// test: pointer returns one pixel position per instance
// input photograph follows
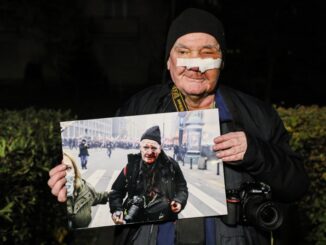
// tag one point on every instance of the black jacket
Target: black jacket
(169, 178)
(83, 150)
(268, 158)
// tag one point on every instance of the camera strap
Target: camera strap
(178, 99)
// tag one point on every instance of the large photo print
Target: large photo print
(147, 168)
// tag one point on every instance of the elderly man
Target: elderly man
(253, 146)
(154, 183)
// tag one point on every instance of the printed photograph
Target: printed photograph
(148, 168)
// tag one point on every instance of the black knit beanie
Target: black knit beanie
(152, 133)
(195, 20)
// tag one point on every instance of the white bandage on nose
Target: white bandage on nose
(202, 64)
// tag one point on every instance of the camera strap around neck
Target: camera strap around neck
(178, 99)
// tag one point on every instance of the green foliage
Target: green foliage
(307, 125)
(29, 146)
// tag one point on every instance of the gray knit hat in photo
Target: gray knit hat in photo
(152, 133)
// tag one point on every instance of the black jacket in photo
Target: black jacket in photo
(138, 180)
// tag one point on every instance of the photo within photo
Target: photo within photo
(147, 168)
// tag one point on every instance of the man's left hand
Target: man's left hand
(231, 146)
(175, 207)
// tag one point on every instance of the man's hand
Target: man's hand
(175, 207)
(231, 146)
(57, 182)
(117, 218)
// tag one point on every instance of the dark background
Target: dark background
(91, 55)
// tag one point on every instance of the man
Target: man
(109, 147)
(154, 183)
(83, 153)
(175, 152)
(253, 146)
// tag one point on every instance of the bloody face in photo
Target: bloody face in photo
(150, 150)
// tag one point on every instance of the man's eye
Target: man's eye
(154, 148)
(146, 147)
(208, 51)
(182, 52)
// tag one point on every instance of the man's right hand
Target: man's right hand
(57, 182)
(117, 218)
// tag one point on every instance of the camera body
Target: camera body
(139, 209)
(251, 204)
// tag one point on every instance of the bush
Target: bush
(29, 146)
(307, 125)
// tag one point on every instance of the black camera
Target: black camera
(136, 205)
(251, 204)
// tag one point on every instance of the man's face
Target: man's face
(191, 82)
(150, 150)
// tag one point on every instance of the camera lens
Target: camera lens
(269, 216)
(134, 211)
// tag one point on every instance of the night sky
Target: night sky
(90, 56)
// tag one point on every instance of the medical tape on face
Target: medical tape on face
(202, 64)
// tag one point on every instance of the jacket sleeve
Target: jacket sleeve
(118, 193)
(270, 159)
(99, 197)
(181, 194)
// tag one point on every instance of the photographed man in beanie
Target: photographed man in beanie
(253, 145)
(153, 182)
